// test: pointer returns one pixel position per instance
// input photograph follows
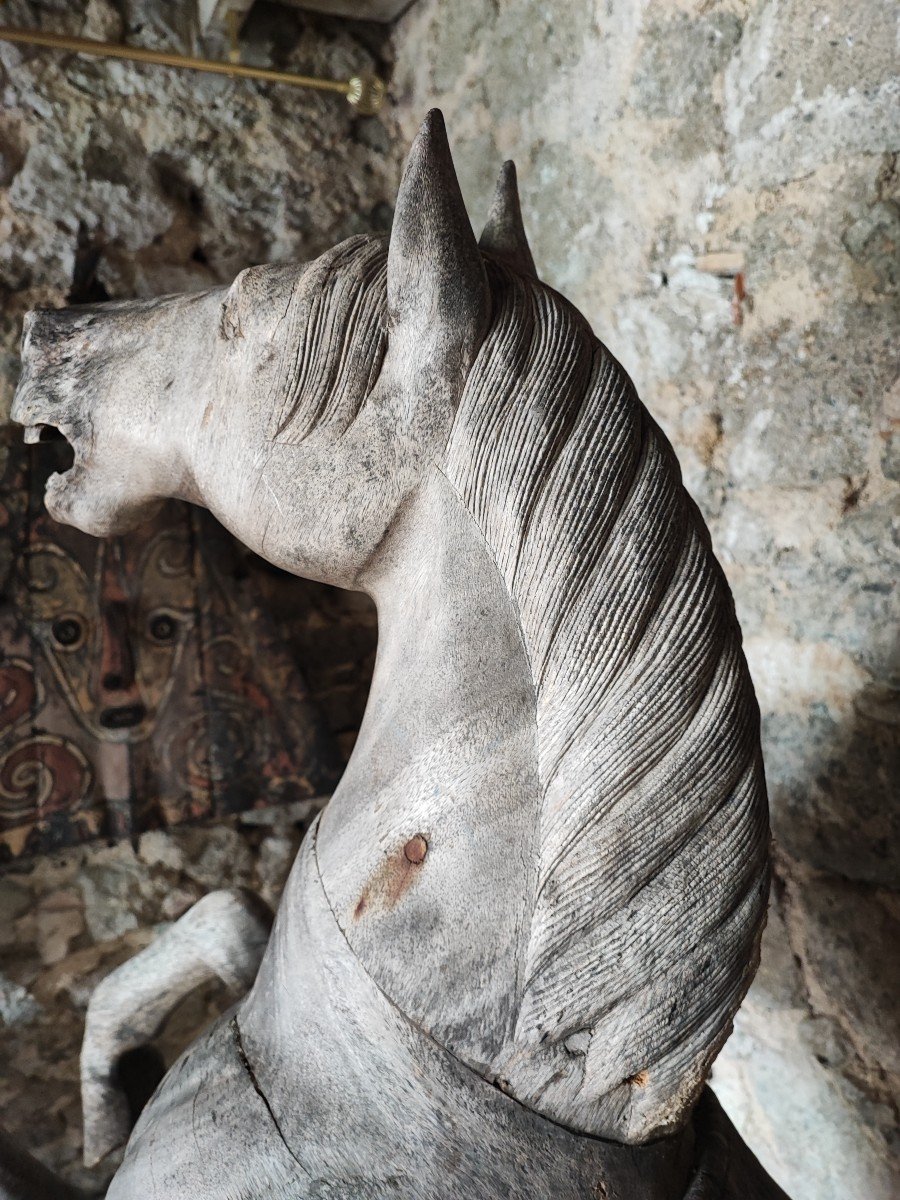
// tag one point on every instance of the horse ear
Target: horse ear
(438, 299)
(504, 233)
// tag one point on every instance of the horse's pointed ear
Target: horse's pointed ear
(438, 299)
(504, 233)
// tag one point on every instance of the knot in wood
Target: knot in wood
(415, 849)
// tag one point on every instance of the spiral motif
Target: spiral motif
(18, 693)
(41, 775)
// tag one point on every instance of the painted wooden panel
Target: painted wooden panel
(142, 683)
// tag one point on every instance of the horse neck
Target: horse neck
(427, 850)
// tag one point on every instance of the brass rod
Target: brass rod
(79, 45)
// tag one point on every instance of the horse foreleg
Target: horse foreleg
(222, 937)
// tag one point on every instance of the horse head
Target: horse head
(300, 404)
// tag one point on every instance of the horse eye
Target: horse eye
(67, 632)
(162, 627)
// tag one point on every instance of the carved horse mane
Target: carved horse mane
(653, 818)
(652, 848)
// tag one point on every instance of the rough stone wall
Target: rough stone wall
(119, 180)
(663, 148)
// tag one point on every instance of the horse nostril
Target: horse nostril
(113, 682)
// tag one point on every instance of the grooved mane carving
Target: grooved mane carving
(516, 938)
(652, 813)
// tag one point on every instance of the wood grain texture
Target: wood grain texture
(515, 941)
(437, 1130)
(652, 876)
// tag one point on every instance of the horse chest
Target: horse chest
(434, 896)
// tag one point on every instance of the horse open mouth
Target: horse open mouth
(48, 433)
(64, 449)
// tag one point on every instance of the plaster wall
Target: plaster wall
(663, 147)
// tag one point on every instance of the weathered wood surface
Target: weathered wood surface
(434, 1129)
(513, 945)
(223, 937)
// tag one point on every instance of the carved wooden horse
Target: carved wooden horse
(514, 942)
